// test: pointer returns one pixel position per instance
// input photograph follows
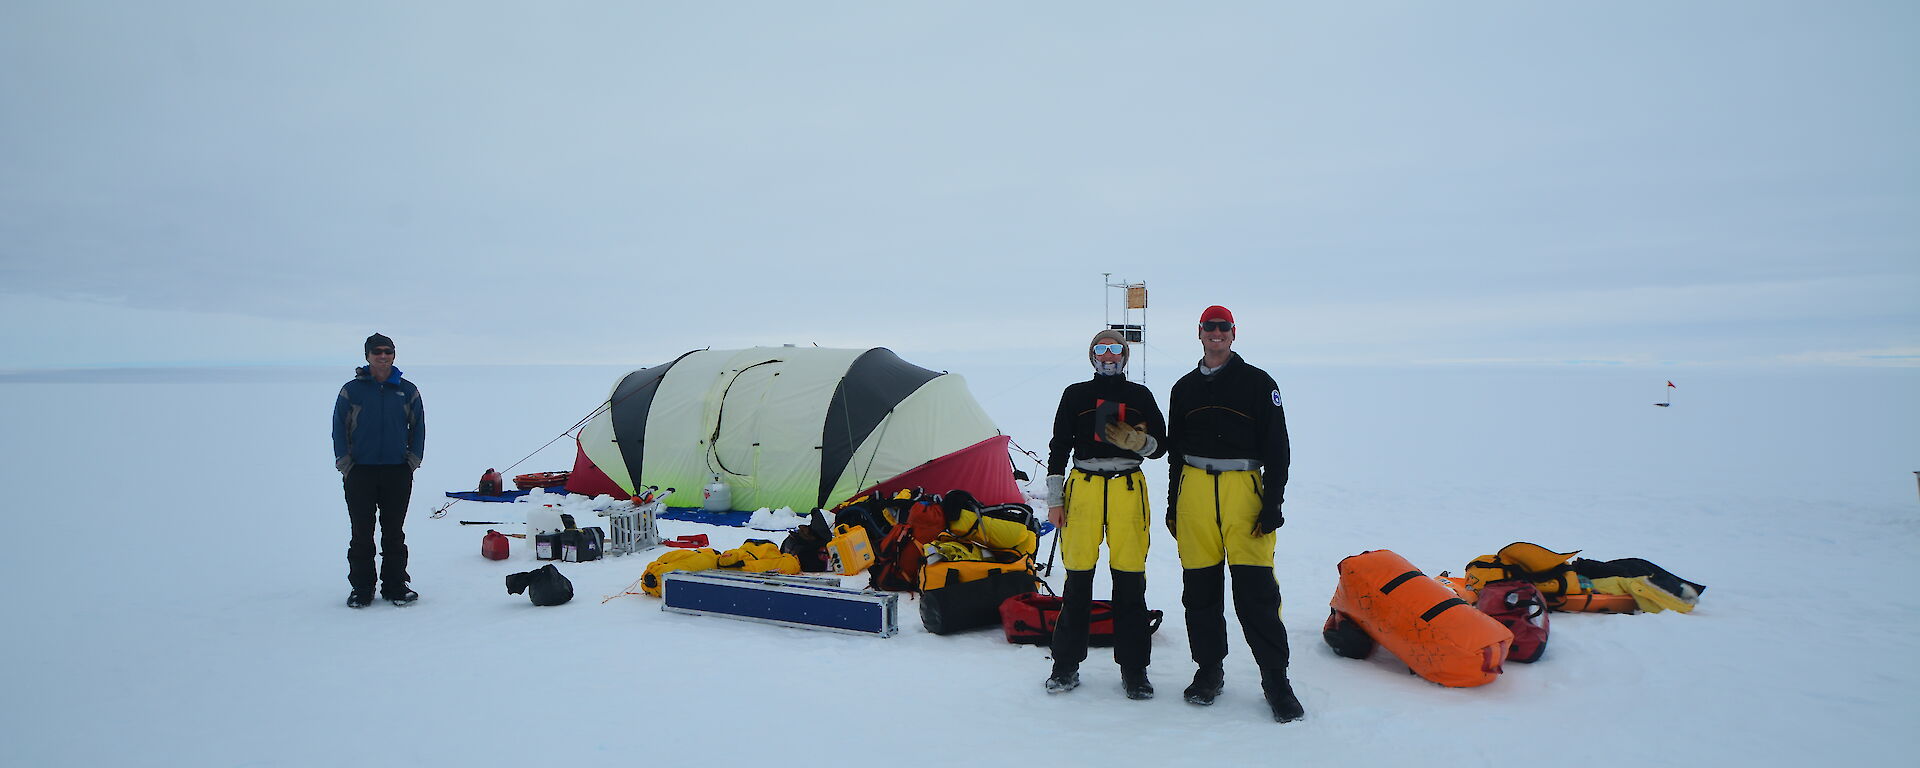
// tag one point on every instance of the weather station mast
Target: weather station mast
(1133, 318)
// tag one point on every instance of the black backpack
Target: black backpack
(808, 543)
(866, 515)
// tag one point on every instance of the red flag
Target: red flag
(1670, 384)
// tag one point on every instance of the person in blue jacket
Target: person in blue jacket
(379, 438)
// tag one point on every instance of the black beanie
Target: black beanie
(378, 340)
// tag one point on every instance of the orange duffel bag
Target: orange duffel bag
(1595, 602)
(1438, 635)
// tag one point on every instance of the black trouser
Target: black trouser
(378, 492)
(1256, 598)
(1132, 646)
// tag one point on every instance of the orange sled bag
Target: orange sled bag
(1438, 635)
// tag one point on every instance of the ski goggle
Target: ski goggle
(1216, 325)
(1103, 349)
(381, 351)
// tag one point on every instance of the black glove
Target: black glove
(1270, 519)
(1172, 529)
(1173, 504)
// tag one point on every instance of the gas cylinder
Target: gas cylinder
(716, 497)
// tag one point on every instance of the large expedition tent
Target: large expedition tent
(794, 427)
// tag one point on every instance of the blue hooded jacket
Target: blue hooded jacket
(378, 422)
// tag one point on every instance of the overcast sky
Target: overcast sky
(1664, 183)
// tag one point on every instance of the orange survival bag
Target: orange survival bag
(1438, 635)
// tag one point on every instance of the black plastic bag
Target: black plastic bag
(544, 585)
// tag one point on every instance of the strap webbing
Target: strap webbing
(1399, 580)
(1441, 607)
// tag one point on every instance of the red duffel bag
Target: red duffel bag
(1029, 619)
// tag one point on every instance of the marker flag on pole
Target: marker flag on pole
(1669, 402)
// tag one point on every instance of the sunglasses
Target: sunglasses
(381, 351)
(1102, 349)
(1216, 325)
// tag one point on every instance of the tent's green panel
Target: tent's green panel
(939, 418)
(765, 424)
(750, 416)
(672, 417)
(676, 447)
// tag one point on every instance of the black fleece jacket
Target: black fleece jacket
(1233, 414)
(1074, 430)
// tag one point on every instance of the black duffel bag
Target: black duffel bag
(956, 596)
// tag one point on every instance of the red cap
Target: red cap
(1216, 312)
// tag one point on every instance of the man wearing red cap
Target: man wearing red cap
(1228, 463)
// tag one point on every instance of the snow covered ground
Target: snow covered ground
(182, 537)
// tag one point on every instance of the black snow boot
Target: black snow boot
(1134, 682)
(1065, 677)
(403, 599)
(1286, 706)
(358, 599)
(1206, 686)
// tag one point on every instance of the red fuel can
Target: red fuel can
(493, 546)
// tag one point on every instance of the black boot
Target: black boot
(1207, 683)
(1065, 677)
(1286, 706)
(1134, 682)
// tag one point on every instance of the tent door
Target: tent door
(739, 420)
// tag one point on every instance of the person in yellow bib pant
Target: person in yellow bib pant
(1105, 426)
(1227, 463)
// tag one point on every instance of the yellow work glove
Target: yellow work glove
(1128, 437)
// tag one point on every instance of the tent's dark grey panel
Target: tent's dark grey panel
(876, 382)
(631, 401)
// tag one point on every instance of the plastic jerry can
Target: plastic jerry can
(543, 518)
(716, 497)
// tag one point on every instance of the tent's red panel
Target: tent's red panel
(981, 469)
(587, 479)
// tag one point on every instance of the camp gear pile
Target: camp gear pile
(1578, 584)
(1457, 631)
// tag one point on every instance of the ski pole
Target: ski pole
(1051, 549)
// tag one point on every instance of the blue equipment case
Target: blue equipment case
(781, 600)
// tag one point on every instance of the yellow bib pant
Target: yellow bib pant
(1214, 526)
(1110, 507)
